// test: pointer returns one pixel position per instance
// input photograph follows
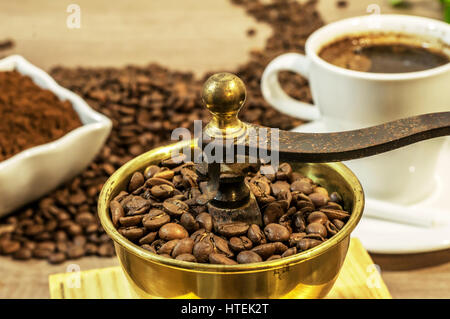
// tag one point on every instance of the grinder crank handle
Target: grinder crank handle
(347, 145)
(224, 94)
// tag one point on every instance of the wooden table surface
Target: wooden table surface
(196, 36)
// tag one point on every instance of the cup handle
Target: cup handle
(275, 95)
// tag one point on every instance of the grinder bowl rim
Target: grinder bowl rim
(118, 176)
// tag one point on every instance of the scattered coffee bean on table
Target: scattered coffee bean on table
(145, 104)
(175, 223)
(30, 115)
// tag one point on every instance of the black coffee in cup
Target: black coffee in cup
(385, 53)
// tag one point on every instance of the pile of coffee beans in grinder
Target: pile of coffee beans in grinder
(164, 211)
(145, 105)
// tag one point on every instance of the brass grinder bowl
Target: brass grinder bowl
(309, 274)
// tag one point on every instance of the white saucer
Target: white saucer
(380, 236)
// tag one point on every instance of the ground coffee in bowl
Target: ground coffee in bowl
(30, 115)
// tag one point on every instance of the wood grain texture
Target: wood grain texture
(358, 279)
(195, 35)
(188, 35)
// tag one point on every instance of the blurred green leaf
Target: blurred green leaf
(446, 7)
(397, 3)
(401, 3)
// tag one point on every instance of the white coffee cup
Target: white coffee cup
(348, 99)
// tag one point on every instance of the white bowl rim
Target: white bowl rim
(100, 120)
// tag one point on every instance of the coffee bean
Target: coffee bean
(74, 229)
(75, 252)
(302, 186)
(189, 223)
(186, 257)
(120, 196)
(133, 220)
(155, 181)
(79, 240)
(132, 233)
(205, 221)
(155, 219)
(84, 219)
(286, 219)
(136, 205)
(40, 253)
(239, 244)
(265, 250)
(57, 258)
(294, 238)
(174, 161)
(202, 250)
(260, 188)
(168, 174)
(269, 172)
(332, 205)
(158, 243)
(23, 254)
(172, 231)
(151, 170)
(280, 187)
(200, 235)
(8, 247)
(233, 229)
(273, 257)
(62, 247)
(91, 249)
(322, 191)
(315, 236)
(316, 228)
(335, 214)
(189, 177)
(220, 259)
(256, 235)
(184, 246)
(289, 252)
(248, 257)
(221, 246)
(149, 248)
(280, 248)
(272, 213)
(33, 230)
(335, 197)
(168, 247)
(331, 228)
(29, 245)
(116, 212)
(299, 223)
(175, 207)
(338, 223)
(276, 232)
(307, 243)
(136, 181)
(284, 171)
(162, 191)
(317, 217)
(318, 199)
(148, 239)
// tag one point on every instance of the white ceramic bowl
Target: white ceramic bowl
(34, 172)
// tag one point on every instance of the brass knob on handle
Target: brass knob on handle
(224, 95)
